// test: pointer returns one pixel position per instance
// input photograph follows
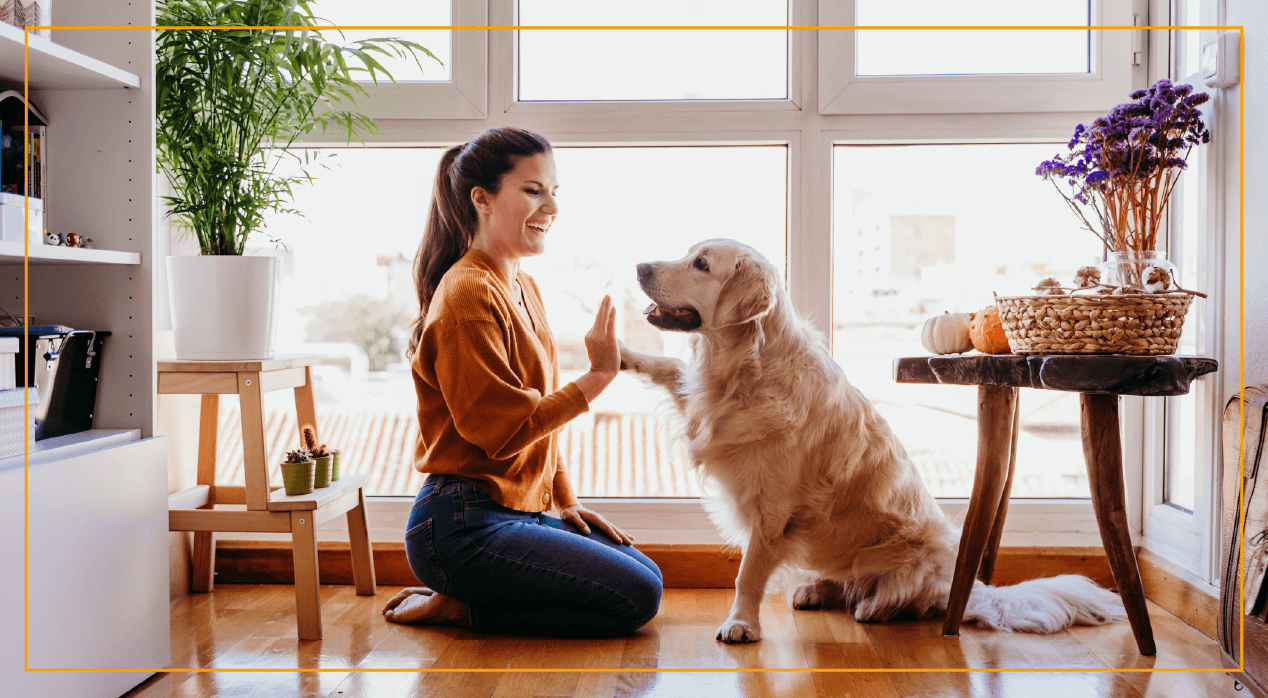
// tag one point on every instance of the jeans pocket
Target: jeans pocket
(420, 550)
(480, 511)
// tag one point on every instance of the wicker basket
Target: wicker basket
(1137, 323)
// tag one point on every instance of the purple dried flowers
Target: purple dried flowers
(1126, 163)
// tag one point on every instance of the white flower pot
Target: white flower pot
(224, 307)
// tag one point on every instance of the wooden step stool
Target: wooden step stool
(193, 509)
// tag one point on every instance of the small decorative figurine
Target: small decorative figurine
(73, 240)
(51, 238)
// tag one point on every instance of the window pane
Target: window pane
(617, 64)
(396, 13)
(348, 296)
(619, 207)
(1181, 411)
(919, 230)
(972, 51)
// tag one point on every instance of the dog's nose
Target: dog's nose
(645, 272)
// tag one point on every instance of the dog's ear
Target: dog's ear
(749, 293)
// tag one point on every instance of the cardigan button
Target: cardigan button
(546, 499)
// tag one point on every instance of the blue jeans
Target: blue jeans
(525, 573)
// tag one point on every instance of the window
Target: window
(791, 151)
(405, 13)
(902, 52)
(669, 64)
(975, 70)
(1181, 515)
(352, 303)
(456, 90)
(919, 230)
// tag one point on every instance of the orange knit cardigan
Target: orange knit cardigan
(489, 402)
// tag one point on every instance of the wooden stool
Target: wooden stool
(1099, 379)
(193, 509)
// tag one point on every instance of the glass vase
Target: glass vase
(1128, 268)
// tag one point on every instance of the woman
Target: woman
(486, 373)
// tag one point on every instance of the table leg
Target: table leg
(254, 450)
(307, 593)
(203, 556)
(995, 409)
(997, 531)
(362, 553)
(1104, 455)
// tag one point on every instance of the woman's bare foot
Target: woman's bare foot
(425, 607)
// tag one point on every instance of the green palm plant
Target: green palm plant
(231, 101)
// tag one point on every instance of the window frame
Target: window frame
(1191, 539)
(463, 96)
(1111, 80)
(803, 126)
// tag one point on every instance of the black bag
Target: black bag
(1245, 532)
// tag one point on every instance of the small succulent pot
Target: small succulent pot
(298, 477)
(334, 464)
(321, 475)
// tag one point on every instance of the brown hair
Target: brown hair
(451, 219)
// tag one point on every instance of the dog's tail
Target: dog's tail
(1043, 605)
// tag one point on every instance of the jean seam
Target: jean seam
(482, 549)
(428, 528)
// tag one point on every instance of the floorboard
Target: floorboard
(240, 626)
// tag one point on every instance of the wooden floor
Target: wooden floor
(253, 626)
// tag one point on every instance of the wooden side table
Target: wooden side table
(1099, 380)
(267, 510)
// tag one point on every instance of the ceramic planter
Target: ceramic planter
(224, 307)
(321, 475)
(298, 477)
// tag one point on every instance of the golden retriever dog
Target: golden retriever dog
(810, 475)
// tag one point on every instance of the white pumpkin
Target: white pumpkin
(947, 333)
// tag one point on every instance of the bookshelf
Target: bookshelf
(94, 506)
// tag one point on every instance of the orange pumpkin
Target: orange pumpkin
(987, 332)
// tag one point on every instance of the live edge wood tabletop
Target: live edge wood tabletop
(267, 509)
(1099, 380)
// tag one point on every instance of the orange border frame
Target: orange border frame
(1242, 243)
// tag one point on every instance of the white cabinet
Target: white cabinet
(93, 572)
(95, 586)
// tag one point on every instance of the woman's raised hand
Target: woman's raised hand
(605, 355)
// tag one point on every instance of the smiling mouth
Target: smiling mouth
(676, 319)
(539, 227)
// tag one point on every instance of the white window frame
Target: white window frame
(800, 124)
(1108, 84)
(1191, 539)
(464, 96)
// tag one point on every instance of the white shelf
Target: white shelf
(62, 447)
(54, 67)
(11, 253)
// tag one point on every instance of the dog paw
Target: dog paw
(628, 362)
(808, 597)
(737, 631)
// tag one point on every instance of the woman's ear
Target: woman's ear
(748, 294)
(481, 200)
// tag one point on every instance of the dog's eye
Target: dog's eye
(701, 264)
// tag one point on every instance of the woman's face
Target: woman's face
(513, 222)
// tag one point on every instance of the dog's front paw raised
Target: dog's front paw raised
(736, 631)
(628, 362)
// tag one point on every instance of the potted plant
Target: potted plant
(298, 472)
(1123, 169)
(324, 473)
(229, 103)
